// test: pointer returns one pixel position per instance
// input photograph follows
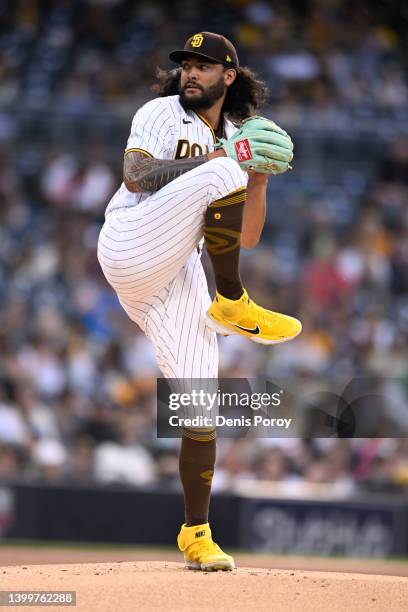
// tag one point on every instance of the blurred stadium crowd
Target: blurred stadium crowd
(77, 392)
(311, 52)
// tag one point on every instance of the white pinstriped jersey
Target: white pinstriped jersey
(164, 130)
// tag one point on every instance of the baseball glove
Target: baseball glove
(260, 145)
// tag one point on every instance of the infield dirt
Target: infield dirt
(166, 586)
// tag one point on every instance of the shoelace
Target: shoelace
(207, 545)
(262, 315)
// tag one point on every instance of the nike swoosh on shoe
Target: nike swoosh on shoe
(254, 331)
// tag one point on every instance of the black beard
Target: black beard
(207, 98)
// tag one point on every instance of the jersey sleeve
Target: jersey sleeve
(151, 131)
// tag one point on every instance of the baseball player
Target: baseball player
(192, 177)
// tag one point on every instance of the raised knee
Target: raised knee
(228, 166)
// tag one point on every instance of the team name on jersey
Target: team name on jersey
(185, 149)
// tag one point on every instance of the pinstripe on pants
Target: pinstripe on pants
(148, 255)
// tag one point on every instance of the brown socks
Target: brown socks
(222, 235)
(197, 459)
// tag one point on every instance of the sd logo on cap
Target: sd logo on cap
(197, 40)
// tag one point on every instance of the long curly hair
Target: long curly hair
(244, 96)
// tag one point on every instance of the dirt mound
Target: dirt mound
(151, 586)
(44, 554)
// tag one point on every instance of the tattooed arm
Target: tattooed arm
(142, 173)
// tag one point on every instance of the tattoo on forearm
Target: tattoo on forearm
(141, 173)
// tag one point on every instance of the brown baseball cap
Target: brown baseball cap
(209, 46)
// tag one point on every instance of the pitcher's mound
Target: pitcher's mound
(152, 586)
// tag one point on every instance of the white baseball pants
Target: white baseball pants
(148, 254)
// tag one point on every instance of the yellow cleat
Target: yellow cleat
(246, 318)
(200, 552)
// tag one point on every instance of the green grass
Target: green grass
(80, 545)
(101, 546)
